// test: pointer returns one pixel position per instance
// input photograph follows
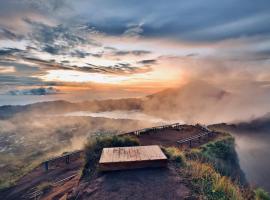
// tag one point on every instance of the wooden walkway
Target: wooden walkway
(120, 158)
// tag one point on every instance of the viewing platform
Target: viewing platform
(122, 158)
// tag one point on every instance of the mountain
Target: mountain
(259, 124)
(195, 98)
(60, 106)
(194, 102)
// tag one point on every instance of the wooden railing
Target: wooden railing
(195, 137)
(65, 156)
(175, 126)
(155, 128)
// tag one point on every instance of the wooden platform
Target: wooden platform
(121, 158)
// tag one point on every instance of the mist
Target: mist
(27, 139)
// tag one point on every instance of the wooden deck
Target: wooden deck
(120, 158)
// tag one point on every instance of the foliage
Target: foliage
(174, 154)
(94, 148)
(210, 183)
(221, 155)
(260, 194)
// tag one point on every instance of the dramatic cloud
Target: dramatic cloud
(146, 46)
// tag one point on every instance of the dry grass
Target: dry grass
(174, 154)
(211, 184)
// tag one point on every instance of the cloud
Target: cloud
(7, 70)
(145, 62)
(19, 80)
(133, 30)
(58, 39)
(120, 68)
(193, 20)
(81, 54)
(9, 51)
(35, 91)
(131, 52)
(7, 34)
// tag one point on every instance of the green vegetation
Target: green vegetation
(175, 155)
(210, 184)
(15, 171)
(221, 154)
(94, 148)
(260, 194)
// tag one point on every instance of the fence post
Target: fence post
(46, 166)
(67, 159)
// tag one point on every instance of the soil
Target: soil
(27, 184)
(169, 137)
(148, 184)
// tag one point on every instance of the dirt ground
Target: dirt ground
(147, 184)
(26, 185)
(169, 137)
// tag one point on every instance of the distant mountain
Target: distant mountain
(58, 107)
(195, 98)
(195, 102)
(259, 124)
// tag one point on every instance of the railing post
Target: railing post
(67, 159)
(46, 166)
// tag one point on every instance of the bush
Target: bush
(94, 148)
(174, 154)
(221, 149)
(222, 156)
(260, 194)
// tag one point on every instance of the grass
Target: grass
(94, 147)
(175, 155)
(260, 194)
(10, 177)
(221, 155)
(210, 184)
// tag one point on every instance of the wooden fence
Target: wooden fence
(66, 157)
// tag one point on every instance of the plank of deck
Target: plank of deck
(132, 157)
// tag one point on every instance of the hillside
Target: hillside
(259, 124)
(191, 173)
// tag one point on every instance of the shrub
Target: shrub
(94, 148)
(221, 149)
(174, 154)
(260, 194)
(221, 155)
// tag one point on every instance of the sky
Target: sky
(85, 49)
